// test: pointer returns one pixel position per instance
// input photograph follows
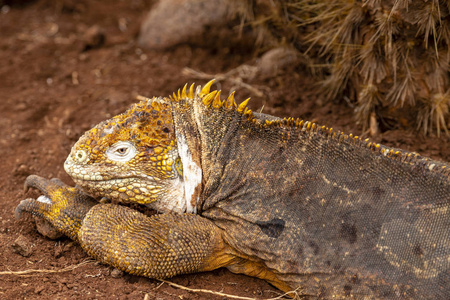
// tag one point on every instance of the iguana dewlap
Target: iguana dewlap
(284, 200)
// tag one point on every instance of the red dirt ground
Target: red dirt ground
(54, 86)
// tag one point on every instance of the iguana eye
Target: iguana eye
(121, 151)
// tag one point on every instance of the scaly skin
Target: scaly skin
(281, 199)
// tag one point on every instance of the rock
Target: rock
(59, 251)
(116, 273)
(46, 229)
(22, 170)
(172, 22)
(275, 60)
(39, 289)
(22, 246)
(93, 37)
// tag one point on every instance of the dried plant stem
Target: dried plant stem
(290, 293)
(293, 293)
(33, 271)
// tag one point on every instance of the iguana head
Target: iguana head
(132, 157)
(141, 157)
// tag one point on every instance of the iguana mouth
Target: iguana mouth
(102, 178)
(121, 184)
(86, 174)
(87, 177)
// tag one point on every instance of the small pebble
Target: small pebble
(94, 37)
(22, 246)
(47, 229)
(275, 60)
(116, 273)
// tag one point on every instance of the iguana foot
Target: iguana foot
(63, 206)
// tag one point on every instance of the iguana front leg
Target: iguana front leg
(159, 246)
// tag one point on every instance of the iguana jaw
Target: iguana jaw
(163, 195)
(125, 188)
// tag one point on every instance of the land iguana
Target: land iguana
(288, 201)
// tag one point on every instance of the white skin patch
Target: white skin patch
(192, 173)
(108, 130)
(44, 199)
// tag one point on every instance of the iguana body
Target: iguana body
(281, 199)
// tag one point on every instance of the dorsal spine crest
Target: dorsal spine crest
(217, 103)
(205, 90)
(191, 91)
(183, 93)
(208, 98)
(212, 100)
(229, 103)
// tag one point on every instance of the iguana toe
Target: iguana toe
(30, 205)
(44, 185)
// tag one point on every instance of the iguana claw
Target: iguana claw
(42, 184)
